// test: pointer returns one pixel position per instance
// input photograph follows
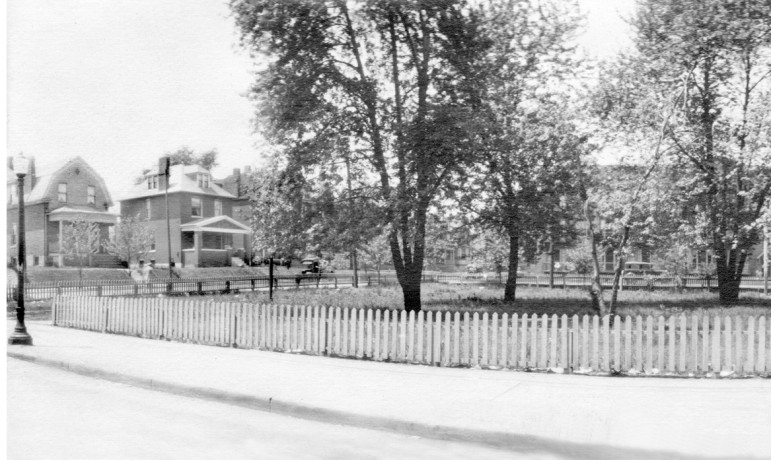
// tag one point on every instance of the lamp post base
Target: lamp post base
(20, 337)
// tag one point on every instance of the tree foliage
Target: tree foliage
(706, 62)
(525, 184)
(132, 241)
(80, 239)
(187, 156)
(395, 82)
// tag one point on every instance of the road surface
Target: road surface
(53, 414)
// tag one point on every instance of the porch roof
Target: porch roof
(217, 224)
(86, 213)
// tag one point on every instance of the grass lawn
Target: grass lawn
(440, 297)
(469, 298)
(39, 274)
(215, 272)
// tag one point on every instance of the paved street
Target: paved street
(54, 414)
(564, 416)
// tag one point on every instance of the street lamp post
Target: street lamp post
(20, 335)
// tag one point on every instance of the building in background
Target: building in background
(202, 228)
(54, 195)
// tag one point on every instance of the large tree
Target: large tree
(532, 146)
(712, 58)
(280, 211)
(397, 81)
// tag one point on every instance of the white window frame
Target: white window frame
(91, 198)
(148, 208)
(203, 180)
(60, 192)
(193, 207)
(217, 207)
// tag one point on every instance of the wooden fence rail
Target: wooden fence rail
(677, 345)
(100, 288)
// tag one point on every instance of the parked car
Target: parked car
(640, 268)
(313, 268)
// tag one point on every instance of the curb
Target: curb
(491, 439)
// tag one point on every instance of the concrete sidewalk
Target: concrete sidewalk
(563, 415)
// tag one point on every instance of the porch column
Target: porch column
(61, 239)
(197, 242)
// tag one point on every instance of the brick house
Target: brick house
(201, 224)
(54, 196)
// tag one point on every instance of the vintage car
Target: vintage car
(313, 267)
(640, 268)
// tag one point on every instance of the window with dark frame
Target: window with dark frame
(196, 207)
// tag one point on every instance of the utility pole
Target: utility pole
(765, 259)
(164, 167)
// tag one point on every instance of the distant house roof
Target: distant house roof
(46, 174)
(218, 224)
(183, 179)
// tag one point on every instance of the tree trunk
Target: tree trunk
(409, 256)
(355, 269)
(411, 291)
(510, 291)
(619, 268)
(595, 291)
(729, 275)
(551, 264)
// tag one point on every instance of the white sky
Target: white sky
(121, 82)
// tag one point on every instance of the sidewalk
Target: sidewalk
(563, 415)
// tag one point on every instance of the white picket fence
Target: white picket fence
(677, 345)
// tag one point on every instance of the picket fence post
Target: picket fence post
(437, 335)
(504, 359)
(716, 333)
(675, 344)
(760, 364)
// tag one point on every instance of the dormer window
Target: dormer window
(152, 182)
(203, 180)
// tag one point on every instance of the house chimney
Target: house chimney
(31, 173)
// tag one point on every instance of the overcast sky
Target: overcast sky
(121, 82)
